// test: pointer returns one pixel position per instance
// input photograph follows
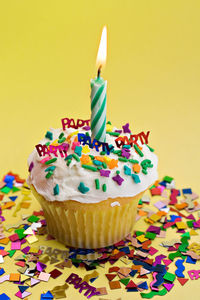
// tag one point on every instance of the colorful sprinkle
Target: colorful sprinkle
(82, 188)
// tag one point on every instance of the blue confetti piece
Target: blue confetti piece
(187, 191)
(180, 268)
(4, 297)
(190, 260)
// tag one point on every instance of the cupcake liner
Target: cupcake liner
(89, 225)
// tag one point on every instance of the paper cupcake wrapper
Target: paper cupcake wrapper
(90, 226)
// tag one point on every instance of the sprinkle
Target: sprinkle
(60, 141)
(31, 166)
(133, 161)
(56, 190)
(78, 150)
(104, 187)
(118, 179)
(136, 168)
(97, 162)
(104, 165)
(137, 149)
(127, 170)
(76, 157)
(52, 168)
(105, 173)
(126, 128)
(125, 153)
(124, 159)
(49, 174)
(136, 178)
(61, 135)
(113, 133)
(91, 168)
(49, 135)
(151, 149)
(82, 188)
(97, 184)
(50, 161)
(68, 162)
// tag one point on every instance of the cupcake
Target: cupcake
(89, 192)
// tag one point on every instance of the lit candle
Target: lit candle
(98, 94)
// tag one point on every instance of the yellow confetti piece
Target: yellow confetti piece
(181, 225)
(155, 217)
(193, 232)
(32, 239)
(141, 238)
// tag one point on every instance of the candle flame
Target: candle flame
(102, 52)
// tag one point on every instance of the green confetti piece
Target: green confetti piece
(168, 179)
(138, 233)
(97, 184)
(75, 156)
(174, 255)
(125, 281)
(50, 161)
(137, 149)
(91, 156)
(169, 277)
(150, 235)
(184, 244)
(104, 187)
(20, 232)
(56, 190)
(117, 172)
(5, 190)
(11, 252)
(91, 168)
(154, 293)
(113, 133)
(47, 143)
(33, 219)
(15, 189)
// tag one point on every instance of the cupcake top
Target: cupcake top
(68, 165)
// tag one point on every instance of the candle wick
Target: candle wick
(99, 72)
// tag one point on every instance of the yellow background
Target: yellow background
(47, 57)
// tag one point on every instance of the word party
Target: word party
(44, 149)
(86, 140)
(70, 123)
(76, 281)
(123, 140)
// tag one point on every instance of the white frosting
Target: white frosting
(69, 177)
(116, 203)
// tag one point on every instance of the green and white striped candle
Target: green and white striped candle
(98, 108)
